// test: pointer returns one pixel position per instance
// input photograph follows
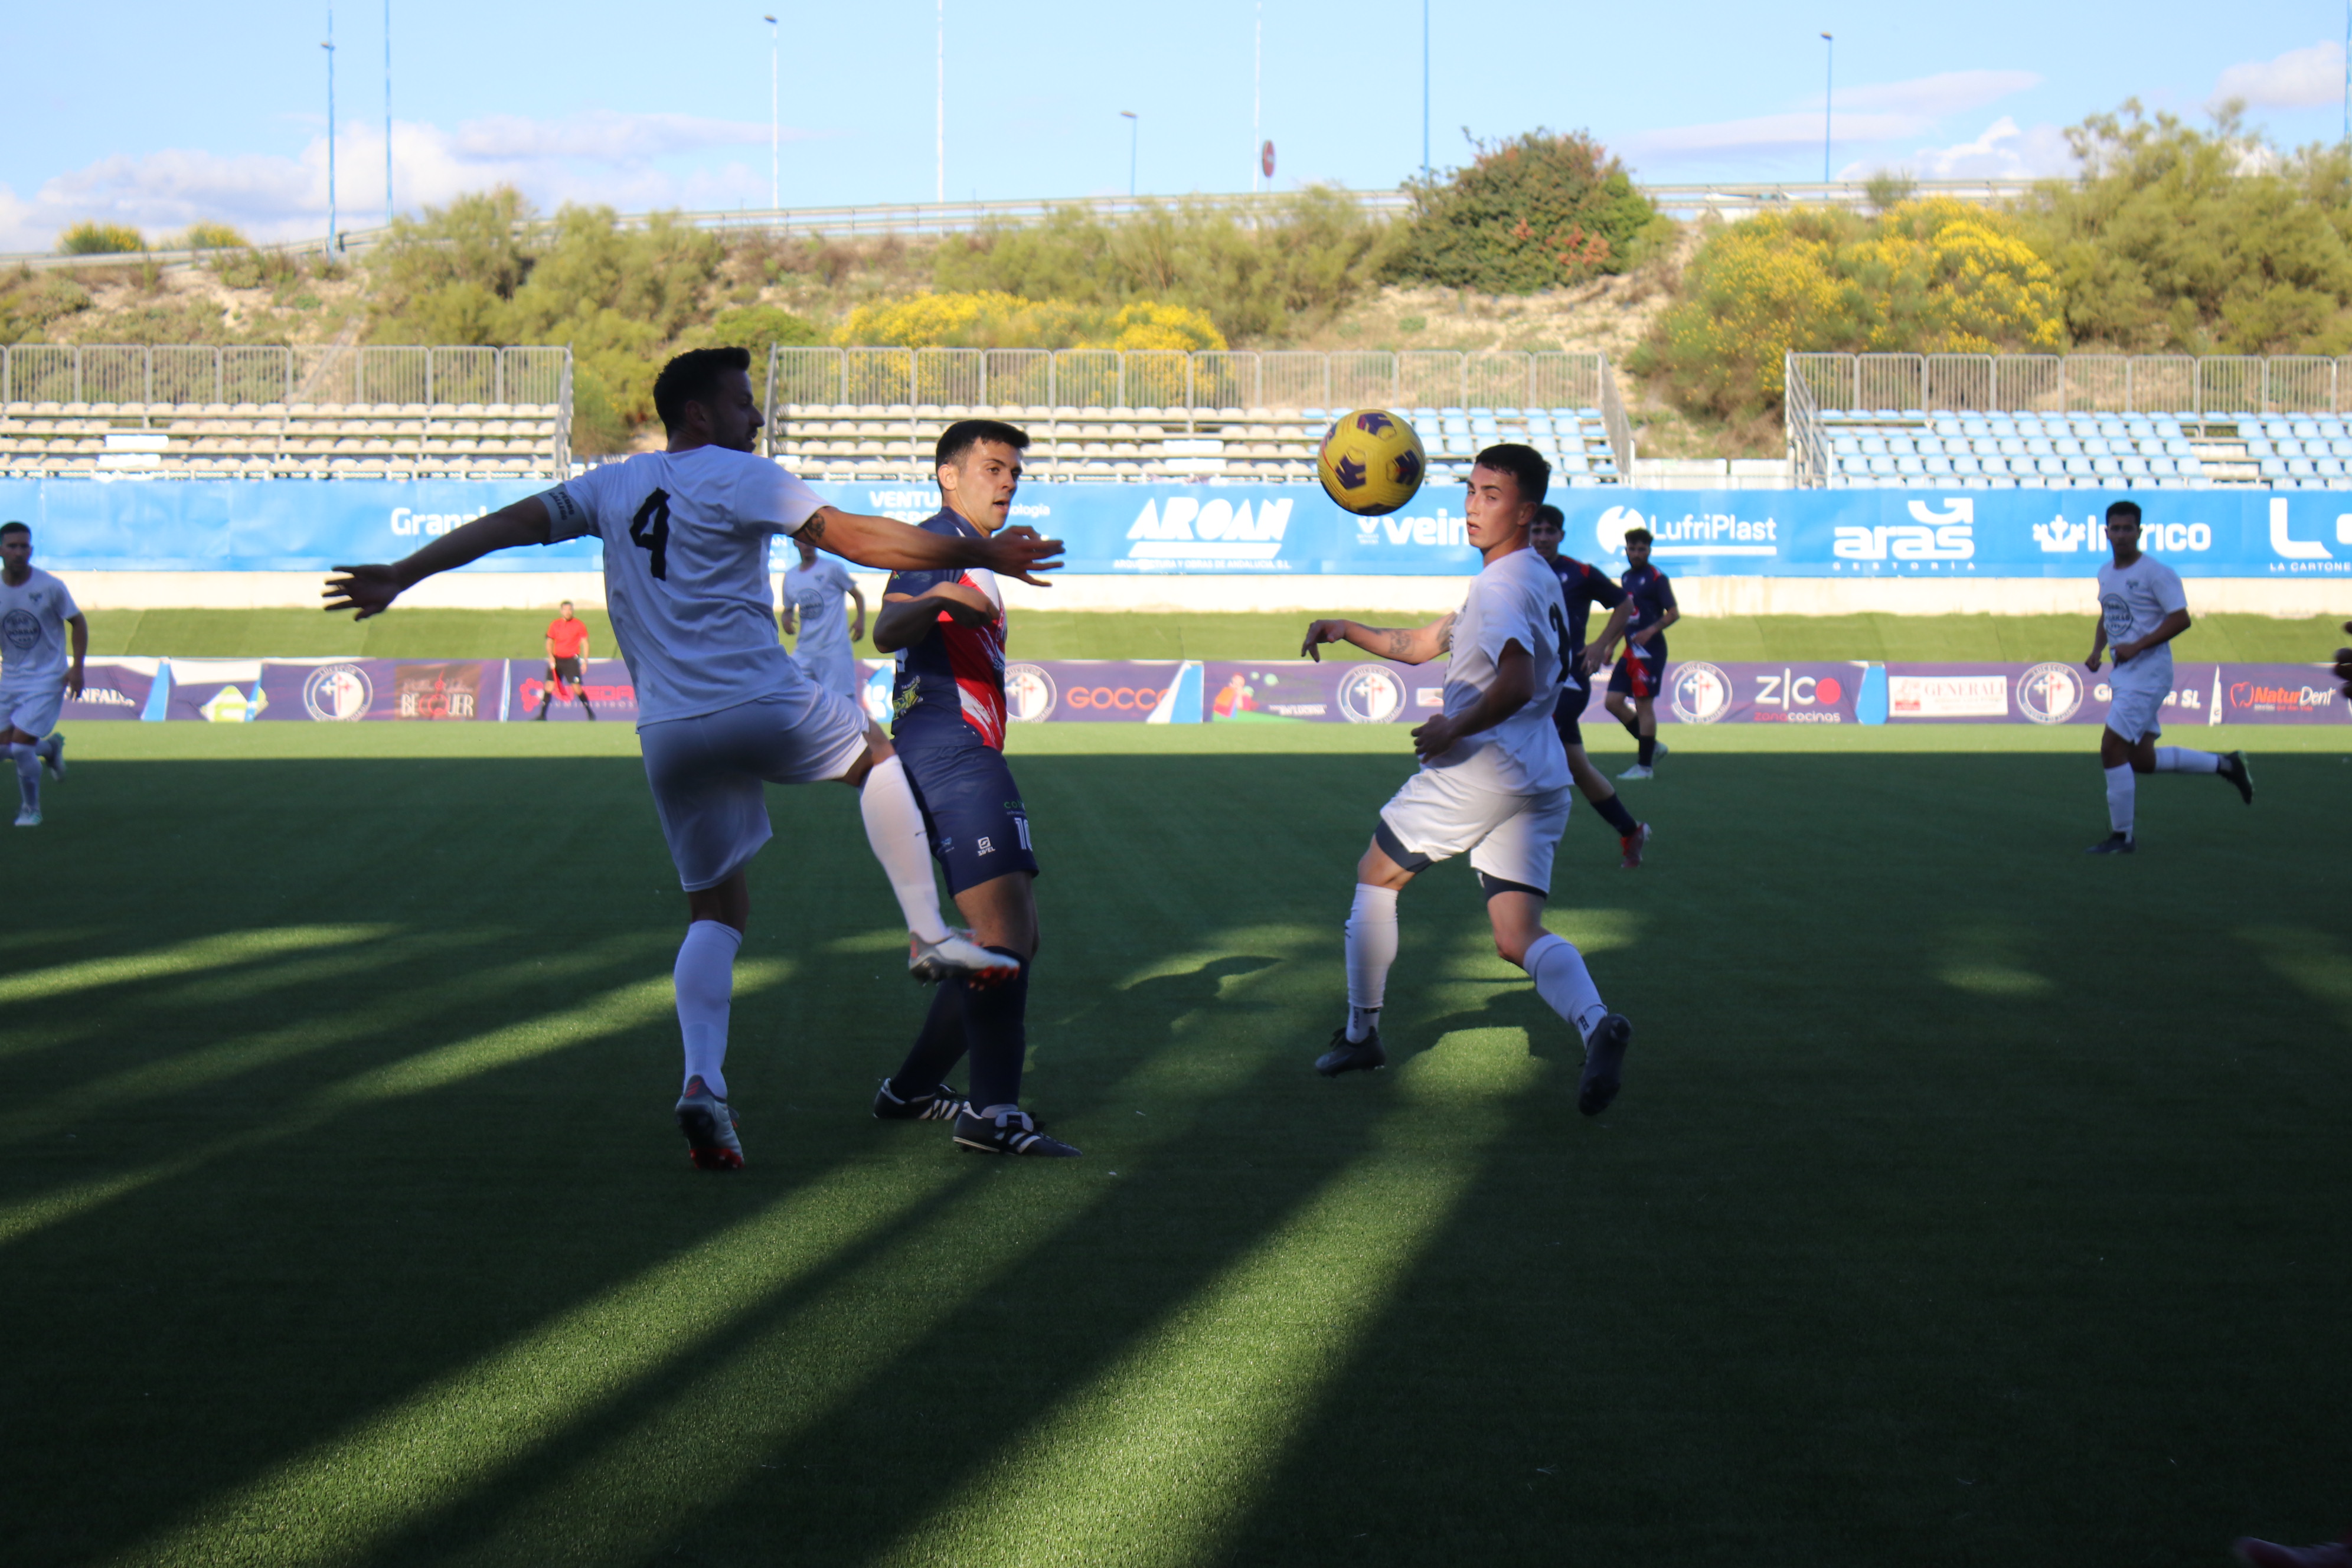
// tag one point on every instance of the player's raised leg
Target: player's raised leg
(894, 831)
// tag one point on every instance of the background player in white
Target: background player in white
(721, 705)
(2142, 607)
(1494, 779)
(37, 612)
(812, 595)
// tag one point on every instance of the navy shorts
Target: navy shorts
(1575, 692)
(973, 810)
(1640, 669)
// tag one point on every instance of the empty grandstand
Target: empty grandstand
(1110, 415)
(211, 412)
(2069, 421)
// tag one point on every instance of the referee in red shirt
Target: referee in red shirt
(567, 653)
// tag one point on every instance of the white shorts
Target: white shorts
(1437, 815)
(837, 672)
(709, 773)
(2134, 710)
(32, 709)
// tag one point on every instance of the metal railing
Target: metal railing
(98, 374)
(950, 217)
(1809, 445)
(2084, 383)
(1211, 384)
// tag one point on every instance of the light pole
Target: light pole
(330, 46)
(1134, 130)
(1424, 89)
(1257, 82)
(1829, 78)
(775, 142)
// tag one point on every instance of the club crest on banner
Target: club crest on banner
(2050, 693)
(1371, 695)
(1699, 692)
(337, 693)
(1029, 694)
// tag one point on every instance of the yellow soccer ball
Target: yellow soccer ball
(1371, 462)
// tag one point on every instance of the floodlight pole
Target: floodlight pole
(1829, 79)
(330, 46)
(1424, 87)
(775, 138)
(1134, 130)
(2347, 70)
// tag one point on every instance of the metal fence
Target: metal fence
(1210, 378)
(101, 373)
(2087, 383)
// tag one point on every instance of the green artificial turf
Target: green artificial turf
(1970, 1201)
(1068, 634)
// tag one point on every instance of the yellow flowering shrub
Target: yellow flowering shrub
(1928, 276)
(991, 319)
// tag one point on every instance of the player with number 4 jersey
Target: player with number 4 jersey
(1494, 780)
(722, 709)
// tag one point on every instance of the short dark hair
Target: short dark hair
(1524, 464)
(1552, 515)
(8, 527)
(693, 378)
(965, 434)
(1641, 534)
(2130, 509)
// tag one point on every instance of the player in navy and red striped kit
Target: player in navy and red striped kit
(946, 628)
(1634, 685)
(1582, 586)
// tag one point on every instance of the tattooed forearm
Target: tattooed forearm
(1396, 644)
(813, 529)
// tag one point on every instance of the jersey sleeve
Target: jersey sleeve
(1517, 618)
(769, 501)
(2170, 595)
(67, 608)
(1599, 590)
(572, 505)
(1666, 593)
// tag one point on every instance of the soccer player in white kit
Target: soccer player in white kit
(1494, 779)
(37, 614)
(2142, 607)
(723, 708)
(812, 592)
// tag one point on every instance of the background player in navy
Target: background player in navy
(1582, 587)
(1634, 684)
(948, 722)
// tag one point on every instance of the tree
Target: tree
(1537, 211)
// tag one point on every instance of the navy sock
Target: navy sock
(1633, 727)
(996, 1023)
(939, 1045)
(1649, 750)
(1612, 812)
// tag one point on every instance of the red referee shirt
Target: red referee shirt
(565, 635)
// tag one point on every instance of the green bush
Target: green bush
(2177, 240)
(91, 237)
(760, 328)
(1261, 279)
(206, 237)
(34, 303)
(1535, 212)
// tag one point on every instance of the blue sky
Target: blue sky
(164, 114)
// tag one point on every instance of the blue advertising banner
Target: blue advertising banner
(303, 525)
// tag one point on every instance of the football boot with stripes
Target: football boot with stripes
(956, 954)
(1008, 1132)
(939, 1103)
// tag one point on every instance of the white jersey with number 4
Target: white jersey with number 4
(2133, 601)
(686, 571)
(33, 617)
(1514, 599)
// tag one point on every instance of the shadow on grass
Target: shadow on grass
(1859, 1239)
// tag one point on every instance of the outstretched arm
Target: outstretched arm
(370, 590)
(889, 545)
(1417, 645)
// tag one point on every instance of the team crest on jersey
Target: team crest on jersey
(21, 628)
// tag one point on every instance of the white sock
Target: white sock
(1563, 982)
(705, 978)
(2181, 759)
(1371, 949)
(2120, 790)
(28, 773)
(894, 828)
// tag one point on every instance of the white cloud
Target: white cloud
(2299, 79)
(2002, 152)
(605, 157)
(1872, 112)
